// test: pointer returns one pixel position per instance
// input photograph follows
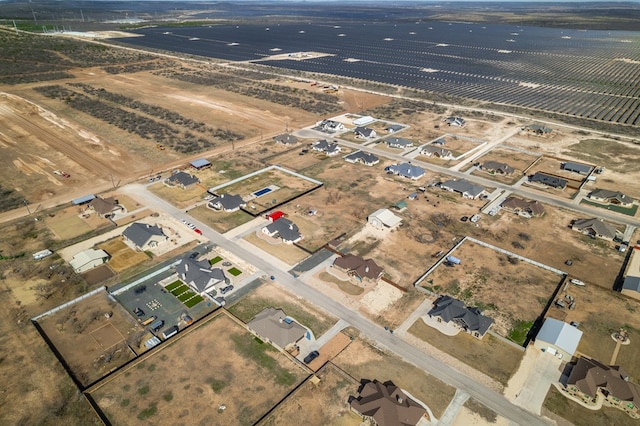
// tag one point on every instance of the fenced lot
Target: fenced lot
(90, 343)
(122, 256)
(218, 363)
(509, 290)
(219, 220)
(519, 160)
(68, 224)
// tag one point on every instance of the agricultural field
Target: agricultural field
(363, 361)
(167, 386)
(324, 403)
(103, 338)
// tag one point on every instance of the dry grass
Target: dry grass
(66, 225)
(345, 286)
(177, 196)
(576, 414)
(288, 253)
(219, 220)
(122, 256)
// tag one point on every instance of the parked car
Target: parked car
(182, 221)
(191, 226)
(226, 289)
(209, 197)
(197, 231)
(139, 312)
(464, 218)
(577, 282)
(194, 255)
(312, 355)
(475, 218)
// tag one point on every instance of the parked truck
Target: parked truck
(453, 260)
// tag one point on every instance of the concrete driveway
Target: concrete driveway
(546, 370)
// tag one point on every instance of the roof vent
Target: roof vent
(399, 399)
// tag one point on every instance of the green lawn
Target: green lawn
(173, 285)
(215, 260)
(519, 331)
(178, 291)
(193, 301)
(629, 211)
(234, 271)
(186, 296)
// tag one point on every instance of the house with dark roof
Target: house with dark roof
(359, 269)
(405, 170)
(607, 196)
(591, 380)
(595, 227)
(448, 310)
(463, 187)
(385, 404)
(524, 208)
(548, 180)
(286, 139)
(558, 335)
(365, 158)
(436, 151)
(227, 203)
(400, 143)
(106, 207)
(497, 167)
(275, 327)
(537, 129)
(200, 163)
(285, 229)
(364, 132)
(144, 236)
(199, 275)
(181, 180)
(439, 141)
(394, 128)
(582, 169)
(454, 121)
(328, 148)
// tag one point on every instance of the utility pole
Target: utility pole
(27, 206)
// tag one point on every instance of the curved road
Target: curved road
(376, 333)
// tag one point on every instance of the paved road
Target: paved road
(376, 333)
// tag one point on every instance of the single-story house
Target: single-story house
(286, 139)
(523, 207)
(611, 197)
(200, 164)
(364, 132)
(631, 283)
(590, 378)
(227, 203)
(453, 311)
(548, 180)
(106, 207)
(401, 143)
(360, 269)
(406, 170)
(538, 129)
(582, 169)
(383, 218)
(199, 275)
(436, 151)
(439, 141)
(88, 259)
(455, 121)
(394, 128)
(365, 158)
(284, 229)
(595, 227)
(463, 187)
(363, 121)
(326, 147)
(181, 179)
(331, 126)
(560, 336)
(144, 236)
(385, 404)
(275, 327)
(497, 167)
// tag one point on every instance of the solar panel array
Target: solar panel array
(591, 74)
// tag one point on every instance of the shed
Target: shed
(384, 218)
(88, 259)
(560, 336)
(363, 121)
(275, 216)
(200, 163)
(83, 200)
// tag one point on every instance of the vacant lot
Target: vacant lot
(499, 360)
(323, 403)
(363, 361)
(506, 289)
(169, 387)
(219, 220)
(177, 196)
(67, 223)
(288, 253)
(103, 340)
(122, 256)
(618, 156)
(270, 295)
(557, 404)
(294, 159)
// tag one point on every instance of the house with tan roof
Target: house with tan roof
(385, 404)
(591, 380)
(436, 151)
(606, 196)
(596, 228)
(275, 327)
(496, 167)
(524, 208)
(359, 269)
(106, 207)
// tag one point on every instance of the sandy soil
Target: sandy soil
(467, 417)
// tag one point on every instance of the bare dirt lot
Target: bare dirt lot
(323, 403)
(519, 160)
(168, 387)
(103, 340)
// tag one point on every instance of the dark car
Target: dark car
(140, 290)
(139, 312)
(225, 290)
(464, 218)
(194, 255)
(312, 355)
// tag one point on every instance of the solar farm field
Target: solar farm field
(589, 74)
